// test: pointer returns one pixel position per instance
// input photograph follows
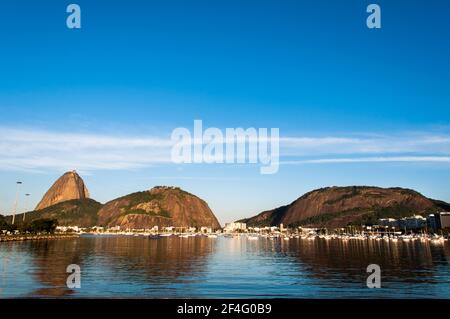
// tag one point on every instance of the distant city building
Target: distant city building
(413, 222)
(272, 229)
(232, 227)
(444, 219)
(388, 222)
(206, 229)
(439, 220)
(307, 230)
(432, 222)
(68, 228)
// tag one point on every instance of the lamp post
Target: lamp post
(26, 206)
(16, 202)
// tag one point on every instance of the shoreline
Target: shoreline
(250, 236)
(10, 238)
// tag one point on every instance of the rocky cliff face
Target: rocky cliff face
(68, 187)
(160, 206)
(340, 206)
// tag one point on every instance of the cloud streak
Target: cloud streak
(38, 150)
(411, 159)
(41, 150)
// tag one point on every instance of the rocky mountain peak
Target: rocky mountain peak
(68, 187)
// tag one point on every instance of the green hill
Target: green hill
(79, 212)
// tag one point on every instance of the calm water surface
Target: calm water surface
(200, 267)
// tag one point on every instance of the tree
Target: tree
(5, 226)
(43, 225)
(3, 223)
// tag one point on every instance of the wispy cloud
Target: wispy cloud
(38, 150)
(41, 150)
(411, 159)
(368, 144)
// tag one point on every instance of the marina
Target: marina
(387, 237)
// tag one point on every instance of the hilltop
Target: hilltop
(69, 186)
(162, 206)
(340, 206)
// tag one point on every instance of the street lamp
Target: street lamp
(16, 202)
(26, 206)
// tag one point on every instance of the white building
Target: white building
(232, 227)
(390, 222)
(205, 229)
(68, 228)
(307, 230)
(413, 222)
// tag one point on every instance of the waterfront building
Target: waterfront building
(389, 222)
(232, 227)
(68, 228)
(432, 222)
(413, 222)
(307, 230)
(206, 229)
(439, 220)
(444, 220)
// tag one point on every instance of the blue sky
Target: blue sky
(365, 107)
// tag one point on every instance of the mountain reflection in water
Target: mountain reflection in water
(127, 266)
